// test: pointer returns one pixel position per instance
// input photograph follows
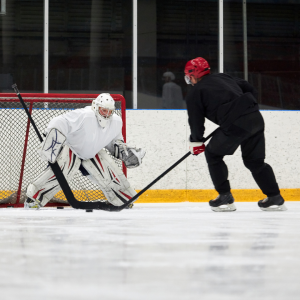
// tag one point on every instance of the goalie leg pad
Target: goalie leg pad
(45, 186)
(104, 172)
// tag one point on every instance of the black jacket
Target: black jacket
(220, 98)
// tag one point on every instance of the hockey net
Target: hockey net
(19, 161)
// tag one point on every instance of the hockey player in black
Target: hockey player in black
(230, 103)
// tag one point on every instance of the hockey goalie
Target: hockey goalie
(76, 140)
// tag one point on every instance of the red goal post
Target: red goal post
(19, 161)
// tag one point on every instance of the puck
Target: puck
(60, 207)
(89, 210)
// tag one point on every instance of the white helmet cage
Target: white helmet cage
(106, 101)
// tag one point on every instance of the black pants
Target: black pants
(247, 132)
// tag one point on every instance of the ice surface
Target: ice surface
(154, 251)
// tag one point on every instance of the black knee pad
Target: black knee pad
(255, 166)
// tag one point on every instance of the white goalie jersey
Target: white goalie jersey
(83, 133)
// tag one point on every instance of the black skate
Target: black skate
(275, 203)
(223, 203)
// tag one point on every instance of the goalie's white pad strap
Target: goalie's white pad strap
(110, 178)
(45, 186)
(51, 146)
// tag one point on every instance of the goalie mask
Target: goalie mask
(103, 107)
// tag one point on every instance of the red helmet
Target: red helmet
(197, 67)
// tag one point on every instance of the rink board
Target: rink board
(165, 134)
(243, 195)
(173, 196)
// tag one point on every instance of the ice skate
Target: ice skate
(275, 203)
(31, 204)
(223, 203)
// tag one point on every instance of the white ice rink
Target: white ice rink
(154, 251)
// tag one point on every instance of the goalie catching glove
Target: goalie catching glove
(131, 156)
(52, 145)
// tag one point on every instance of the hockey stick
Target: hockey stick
(59, 174)
(118, 208)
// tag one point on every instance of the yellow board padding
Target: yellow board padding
(92, 195)
(79, 194)
(242, 195)
(171, 196)
(6, 193)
